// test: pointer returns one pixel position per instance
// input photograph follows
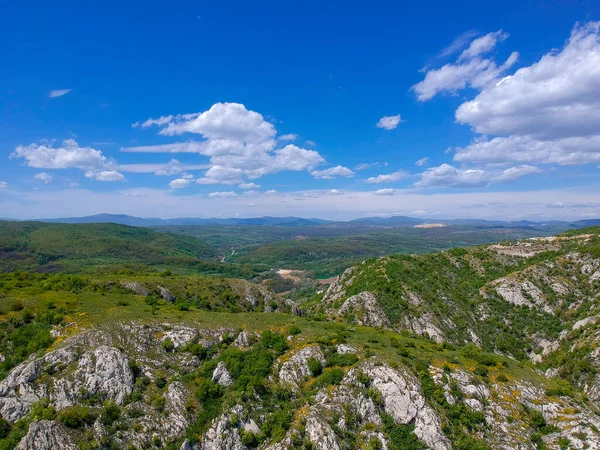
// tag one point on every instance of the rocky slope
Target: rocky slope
(535, 299)
(160, 385)
(493, 347)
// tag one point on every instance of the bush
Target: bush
(4, 428)
(341, 360)
(110, 414)
(275, 341)
(482, 371)
(294, 330)
(77, 417)
(329, 377)
(168, 345)
(160, 382)
(315, 367)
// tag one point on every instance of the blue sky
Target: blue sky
(332, 110)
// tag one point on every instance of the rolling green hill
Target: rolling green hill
(50, 247)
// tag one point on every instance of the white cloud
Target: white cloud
(235, 139)
(43, 176)
(180, 183)
(384, 192)
(271, 192)
(105, 175)
(386, 178)
(3, 185)
(249, 186)
(148, 123)
(221, 121)
(365, 166)
(222, 194)
(450, 176)
(58, 93)
(310, 143)
(470, 69)
(389, 122)
(334, 192)
(288, 137)
(421, 162)
(68, 155)
(459, 42)
(546, 113)
(221, 175)
(331, 173)
(73, 184)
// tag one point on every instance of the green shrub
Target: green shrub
(342, 360)
(160, 382)
(168, 345)
(110, 414)
(77, 416)
(4, 428)
(294, 330)
(315, 367)
(329, 377)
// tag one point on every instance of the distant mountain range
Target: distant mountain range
(381, 222)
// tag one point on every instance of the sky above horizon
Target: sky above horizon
(314, 109)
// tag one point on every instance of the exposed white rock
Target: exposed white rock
(175, 403)
(336, 290)
(136, 288)
(521, 293)
(403, 401)
(221, 375)
(584, 322)
(343, 349)
(425, 326)
(223, 435)
(320, 434)
(180, 335)
(166, 294)
(295, 369)
(365, 309)
(46, 435)
(104, 370)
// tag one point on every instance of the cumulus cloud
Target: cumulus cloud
(422, 162)
(450, 176)
(179, 183)
(386, 178)
(249, 186)
(384, 192)
(237, 141)
(105, 175)
(546, 113)
(66, 156)
(333, 172)
(3, 185)
(43, 176)
(58, 93)
(221, 175)
(469, 70)
(222, 194)
(288, 137)
(389, 122)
